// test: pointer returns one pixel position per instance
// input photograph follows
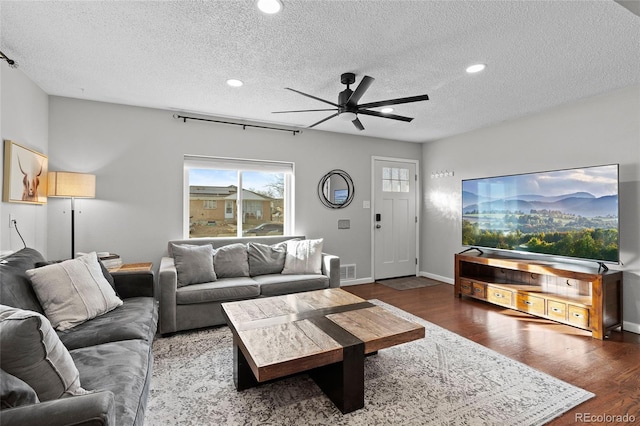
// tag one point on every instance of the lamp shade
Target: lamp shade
(71, 185)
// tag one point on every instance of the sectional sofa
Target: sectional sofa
(94, 373)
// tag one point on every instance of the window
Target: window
(256, 195)
(395, 179)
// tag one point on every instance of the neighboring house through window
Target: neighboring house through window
(262, 206)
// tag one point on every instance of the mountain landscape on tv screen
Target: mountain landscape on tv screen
(574, 223)
(579, 204)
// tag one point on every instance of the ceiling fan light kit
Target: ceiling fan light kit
(348, 108)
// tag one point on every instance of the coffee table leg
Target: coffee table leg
(243, 377)
(343, 382)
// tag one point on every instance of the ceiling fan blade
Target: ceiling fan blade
(380, 114)
(312, 97)
(362, 87)
(323, 120)
(304, 110)
(395, 101)
(358, 124)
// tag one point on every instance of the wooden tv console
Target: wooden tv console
(566, 293)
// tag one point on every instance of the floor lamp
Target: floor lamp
(71, 185)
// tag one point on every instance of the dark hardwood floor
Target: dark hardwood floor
(610, 368)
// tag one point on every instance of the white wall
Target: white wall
(599, 130)
(137, 156)
(24, 115)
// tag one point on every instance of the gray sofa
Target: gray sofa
(199, 305)
(112, 353)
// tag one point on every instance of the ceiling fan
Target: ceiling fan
(347, 107)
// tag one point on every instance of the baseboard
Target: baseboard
(630, 326)
(437, 277)
(345, 283)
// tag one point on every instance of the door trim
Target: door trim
(373, 203)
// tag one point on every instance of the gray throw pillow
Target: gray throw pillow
(15, 392)
(303, 257)
(266, 259)
(105, 272)
(32, 351)
(194, 264)
(231, 261)
(73, 291)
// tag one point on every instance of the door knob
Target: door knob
(378, 226)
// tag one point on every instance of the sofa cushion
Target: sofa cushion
(231, 261)
(123, 368)
(266, 259)
(222, 290)
(16, 289)
(194, 264)
(303, 257)
(73, 291)
(137, 318)
(15, 392)
(31, 350)
(277, 284)
(105, 272)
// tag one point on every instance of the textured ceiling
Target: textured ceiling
(177, 55)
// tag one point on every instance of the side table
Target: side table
(132, 267)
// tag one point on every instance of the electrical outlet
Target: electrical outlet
(12, 219)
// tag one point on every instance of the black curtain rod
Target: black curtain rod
(244, 126)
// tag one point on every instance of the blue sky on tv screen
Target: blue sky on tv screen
(598, 181)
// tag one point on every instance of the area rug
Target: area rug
(409, 283)
(443, 379)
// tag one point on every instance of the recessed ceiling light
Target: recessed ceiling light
(476, 68)
(270, 6)
(234, 83)
(386, 110)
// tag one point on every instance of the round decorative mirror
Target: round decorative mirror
(335, 189)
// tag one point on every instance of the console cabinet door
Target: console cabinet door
(557, 310)
(531, 304)
(500, 296)
(579, 316)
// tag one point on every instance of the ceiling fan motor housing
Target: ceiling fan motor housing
(343, 97)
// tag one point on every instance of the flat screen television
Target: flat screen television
(571, 213)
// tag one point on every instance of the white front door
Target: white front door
(395, 218)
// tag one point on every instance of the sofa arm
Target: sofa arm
(134, 283)
(168, 283)
(331, 268)
(94, 409)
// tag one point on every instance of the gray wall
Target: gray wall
(24, 116)
(599, 130)
(137, 156)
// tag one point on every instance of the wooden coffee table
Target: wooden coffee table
(326, 333)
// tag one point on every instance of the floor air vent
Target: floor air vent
(347, 272)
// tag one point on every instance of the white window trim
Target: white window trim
(227, 163)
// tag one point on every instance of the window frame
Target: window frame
(241, 165)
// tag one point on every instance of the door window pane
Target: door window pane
(395, 179)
